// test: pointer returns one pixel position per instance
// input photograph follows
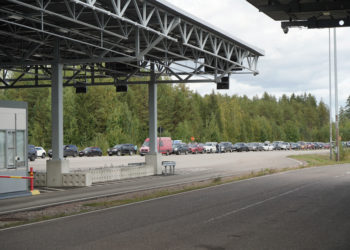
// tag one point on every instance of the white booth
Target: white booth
(13, 147)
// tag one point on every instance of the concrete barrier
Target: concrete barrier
(83, 178)
(120, 172)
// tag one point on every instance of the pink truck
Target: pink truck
(164, 145)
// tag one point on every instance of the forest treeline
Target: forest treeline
(104, 118)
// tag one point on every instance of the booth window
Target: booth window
(2, 149)
(11, 150)
(20, 144)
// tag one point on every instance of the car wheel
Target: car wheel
(100, 154)
(32, 158)
(75, 154)
(43, 155)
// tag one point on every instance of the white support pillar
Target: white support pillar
(153, 158)
(57, 108)
(58, 164)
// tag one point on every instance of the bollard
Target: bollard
(31, 174)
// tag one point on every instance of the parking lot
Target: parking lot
(223, 163)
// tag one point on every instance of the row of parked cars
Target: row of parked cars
(214, 147)
(168, 146)
(68, 150)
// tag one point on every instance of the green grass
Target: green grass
(314, 160)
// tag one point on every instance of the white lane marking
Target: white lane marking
(256, 204)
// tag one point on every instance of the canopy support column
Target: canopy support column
(58, 164)
(153, 158)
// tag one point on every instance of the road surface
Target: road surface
(303, 209)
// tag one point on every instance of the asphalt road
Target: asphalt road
(189, 168)
(303, 209)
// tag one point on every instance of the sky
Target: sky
(297, 62)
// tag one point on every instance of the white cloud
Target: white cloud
(296, 62)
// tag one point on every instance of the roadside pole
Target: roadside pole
(336, 94)
(330, 96)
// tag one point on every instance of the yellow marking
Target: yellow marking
(35, 192)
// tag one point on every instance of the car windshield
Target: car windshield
(208, 144)
(117, 146)
(145, 144)
(86, 149)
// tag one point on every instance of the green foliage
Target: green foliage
(104, 118)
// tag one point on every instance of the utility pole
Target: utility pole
(336, 95)
(330, 95)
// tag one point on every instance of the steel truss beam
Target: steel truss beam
(93, 32)
(317, 24)
(298, 7)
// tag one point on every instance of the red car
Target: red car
(196, 148)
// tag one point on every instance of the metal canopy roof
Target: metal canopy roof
(114, 39)
(309, 13)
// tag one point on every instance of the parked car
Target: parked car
(253, 146)
(40, 152)
(240, 147)
(195, 148)
(68, 150)
(181, 148)
(310, 145)
(284, 146)
(302, 144)
(267, 147)
(260, 146)
(295, 146)
(320, 145)
(225, 147)
(210, 147)
(91, 151)
(122, 149)
(177, 142)
(164, 146)
(32, 154)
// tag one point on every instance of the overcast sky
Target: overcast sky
(296, 62)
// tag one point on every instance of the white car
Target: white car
(268, 147)
(210, 147)
(40, 152)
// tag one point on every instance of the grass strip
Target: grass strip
(315, 160)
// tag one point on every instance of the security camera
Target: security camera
(285, 30)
